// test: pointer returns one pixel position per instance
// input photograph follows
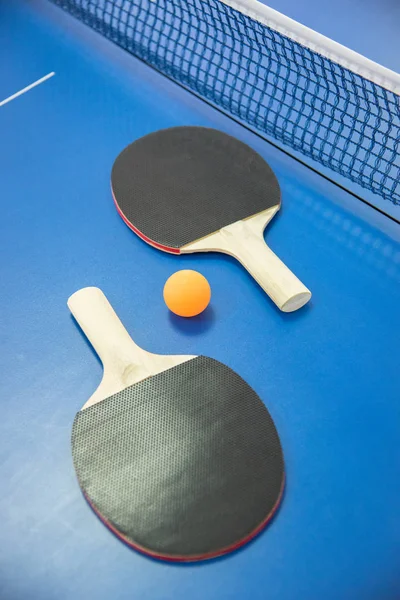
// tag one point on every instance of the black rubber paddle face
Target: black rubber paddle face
(177, 185)
(185, 465)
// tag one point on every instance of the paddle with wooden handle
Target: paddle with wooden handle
(193, 189)
(177, 455)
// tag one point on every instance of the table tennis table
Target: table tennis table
(329, 373)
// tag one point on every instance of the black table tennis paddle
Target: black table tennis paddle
(193, 189)
(177, 455)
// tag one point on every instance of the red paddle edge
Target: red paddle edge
(197, 557)
(140, 234)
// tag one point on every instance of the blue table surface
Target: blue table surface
(328, 373)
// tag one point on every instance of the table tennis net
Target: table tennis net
(264, 78)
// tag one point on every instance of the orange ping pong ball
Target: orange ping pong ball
(187, 293)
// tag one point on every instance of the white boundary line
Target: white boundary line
(27, 88)
(318, 43)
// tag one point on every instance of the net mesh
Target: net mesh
(265, 79)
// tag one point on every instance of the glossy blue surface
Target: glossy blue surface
(329, 373)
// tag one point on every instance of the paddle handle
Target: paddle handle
(275, 278)
(124, 362)
(105, 331)
(244, 240)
